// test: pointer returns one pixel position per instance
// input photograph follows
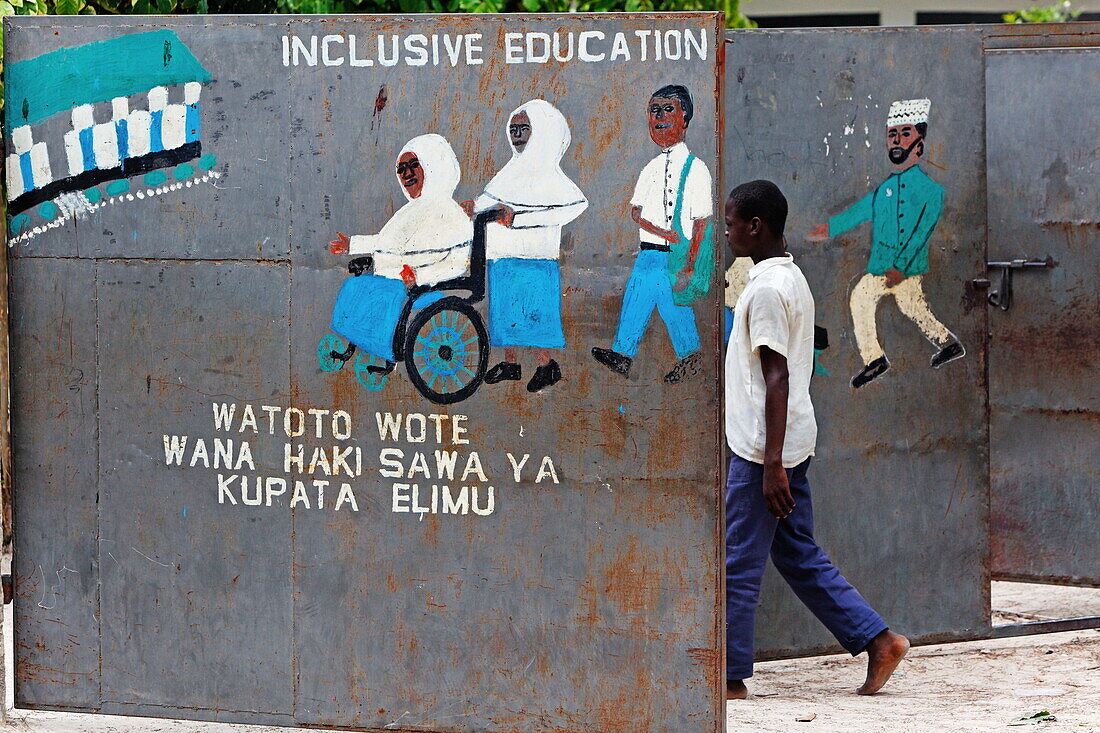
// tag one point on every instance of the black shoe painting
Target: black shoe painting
(545, 375)
(685, 369)
(502, 372)
(613, 360)
(873, 370)
(949, 353)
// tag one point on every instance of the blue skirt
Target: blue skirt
(525, 303)
(367, 311)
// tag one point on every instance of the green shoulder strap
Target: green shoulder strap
(703, 271)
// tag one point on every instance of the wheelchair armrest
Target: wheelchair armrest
(360, 265)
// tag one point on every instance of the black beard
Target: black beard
(899, 155)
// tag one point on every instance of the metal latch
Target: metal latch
(1002, 296)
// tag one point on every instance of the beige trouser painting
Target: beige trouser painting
(909, 295)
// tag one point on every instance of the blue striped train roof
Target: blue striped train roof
(56, 82)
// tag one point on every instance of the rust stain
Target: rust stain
(632, 581)
(380, 100)
(706, 657)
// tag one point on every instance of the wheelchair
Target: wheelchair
(440, 336)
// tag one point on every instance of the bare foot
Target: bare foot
(884, 653)
(736, 690)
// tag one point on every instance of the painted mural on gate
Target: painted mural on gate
(411, 297)
(413, 292)
(134, 104)
(533, 199)
(395, 302)
(674, 267)
(904, 211)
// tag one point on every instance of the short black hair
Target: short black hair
(764, 200)
(681, 95)
(922, 128)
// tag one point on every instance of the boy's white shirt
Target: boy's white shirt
(776, 309)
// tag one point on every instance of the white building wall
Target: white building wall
(895, 13)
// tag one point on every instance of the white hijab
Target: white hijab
(431, 222)
(440, 165)
(533, 178)
(431, 233)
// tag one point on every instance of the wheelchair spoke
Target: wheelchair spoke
(446, 351)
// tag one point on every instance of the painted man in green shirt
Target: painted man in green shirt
(903, 212)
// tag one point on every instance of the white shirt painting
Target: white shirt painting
(657, 188)
(533, 184)
(431, 233)
(776, 309)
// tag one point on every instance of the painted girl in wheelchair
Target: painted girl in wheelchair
(409, 298)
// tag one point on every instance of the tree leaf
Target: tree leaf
(68, 7)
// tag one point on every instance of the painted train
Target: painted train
(152, 84)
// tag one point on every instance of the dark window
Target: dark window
(951, 18)
(830, 20)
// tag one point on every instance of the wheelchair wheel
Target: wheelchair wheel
(330, 342)
(371, 380)
(447, 351)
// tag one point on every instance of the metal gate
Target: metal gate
(900, 474)
(219, 516)
(1044, 362)
(900, 478)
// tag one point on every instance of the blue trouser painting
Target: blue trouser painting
(649, 288)
(525, 303)
(751, 534)
(367, 311)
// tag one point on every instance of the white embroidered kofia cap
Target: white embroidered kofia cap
(908, 112)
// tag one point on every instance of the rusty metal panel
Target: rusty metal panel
(346, 587)
(177, 561)
(54, 431)
(900, 477)
(1044, 367)
(1016, 36)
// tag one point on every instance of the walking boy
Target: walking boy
(771, 430)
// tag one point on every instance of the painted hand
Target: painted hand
(507, 215)
(777, 491)
(408, 276)
(468, 207)
(819, 234)
(683, 279)
(670, 236)
(893, 277)
(340, 245)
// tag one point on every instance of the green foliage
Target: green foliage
(734, 17)
(1059, 13)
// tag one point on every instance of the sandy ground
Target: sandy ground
(974, 686)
